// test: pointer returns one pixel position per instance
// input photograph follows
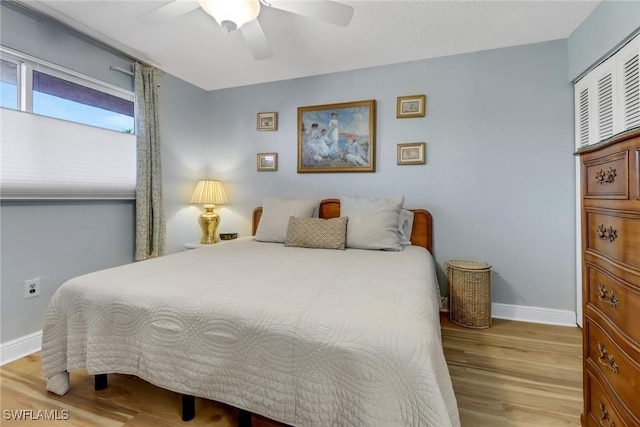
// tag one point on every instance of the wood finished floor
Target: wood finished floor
(512, 374)
(515, 374)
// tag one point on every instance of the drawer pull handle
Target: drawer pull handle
(607, 296)
(606, 359)
(608, 177)
(605, 417)
(607, 233)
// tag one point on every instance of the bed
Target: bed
(307, 337)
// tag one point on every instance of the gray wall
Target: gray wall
(55, 241)
(60, 240)
(187, 155)
(499, 174)
(34, 35)
(611, 23)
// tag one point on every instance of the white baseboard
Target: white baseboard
(549, 316)
(20, 347)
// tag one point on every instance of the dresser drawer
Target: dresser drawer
(622, 373)
(615, 299)
(606, 177)
(613, 234)
(600, 409)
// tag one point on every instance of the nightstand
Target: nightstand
(224, 237)
(192, 245)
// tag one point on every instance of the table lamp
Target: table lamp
(209, 193)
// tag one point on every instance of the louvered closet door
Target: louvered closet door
(583, 113)
(606, 99)
(628, 64)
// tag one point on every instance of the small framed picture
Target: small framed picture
(412, 153)
(268, 121)
(411, 106)
(267, 162)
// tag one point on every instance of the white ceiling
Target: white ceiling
(196, 49)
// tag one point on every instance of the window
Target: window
(9, 84)
(62, 99)
(47, 158)
(53, 91)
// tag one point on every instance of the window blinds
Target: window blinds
(46, 158)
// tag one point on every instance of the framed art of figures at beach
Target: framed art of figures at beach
(337, 137)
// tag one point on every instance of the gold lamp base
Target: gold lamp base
(209, 221)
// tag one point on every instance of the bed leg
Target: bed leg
(100, 382)
(244, 418)
(188, 407)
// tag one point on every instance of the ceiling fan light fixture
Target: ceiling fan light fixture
(231, 14)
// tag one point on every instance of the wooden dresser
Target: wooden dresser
(611, 281)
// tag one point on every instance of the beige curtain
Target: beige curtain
(150, 220)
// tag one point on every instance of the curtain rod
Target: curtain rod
(122, 70)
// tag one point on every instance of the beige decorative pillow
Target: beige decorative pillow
(275, 216)
(317, 233)
(373, 223)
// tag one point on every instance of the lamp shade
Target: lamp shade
(209, 192)
(231, 14)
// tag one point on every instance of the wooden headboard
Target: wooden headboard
(422, 234)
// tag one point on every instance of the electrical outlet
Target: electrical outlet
(32, 288)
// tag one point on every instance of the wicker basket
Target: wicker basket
(469, 293)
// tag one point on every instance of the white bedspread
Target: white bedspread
(309, 337)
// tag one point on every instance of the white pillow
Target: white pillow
(276, 212)
(405, 227)
(373, 223)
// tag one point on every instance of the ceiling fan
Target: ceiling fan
(242, 15)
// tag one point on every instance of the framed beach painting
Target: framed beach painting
(337, 137)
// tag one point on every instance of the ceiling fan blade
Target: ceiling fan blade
(257, 41)
(168, 12)
(323, 10)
